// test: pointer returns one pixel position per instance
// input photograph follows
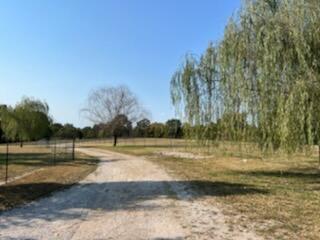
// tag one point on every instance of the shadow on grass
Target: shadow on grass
(17, 157)
(42, 159)
(108, 196)
(301, 174)
(302, 179)
(222, 189)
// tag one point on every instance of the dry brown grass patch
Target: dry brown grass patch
(45, 181)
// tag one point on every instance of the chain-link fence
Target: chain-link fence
(20, 159)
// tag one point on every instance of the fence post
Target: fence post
(7, 163)
(54, 151)
(319, 156)
(73, 148)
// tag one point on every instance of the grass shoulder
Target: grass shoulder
(280, 197)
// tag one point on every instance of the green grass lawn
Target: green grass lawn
(279, 196)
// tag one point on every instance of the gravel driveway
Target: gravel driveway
(125, 198)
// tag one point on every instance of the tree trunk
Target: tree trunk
(115, 138)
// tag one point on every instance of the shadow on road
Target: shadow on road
(109, 196)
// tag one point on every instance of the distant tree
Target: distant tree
(55, 128)
(1, 134)
(3, 109)
(111, 104)
(174, 129)
(29, 120)
(88, 132)
(68, 131)
(102, 130)
(142, 128)
(9, 123)
(157, 130)
(200, 132)
(33, 119)
(120, 126)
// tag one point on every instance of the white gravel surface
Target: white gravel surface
(125, 198)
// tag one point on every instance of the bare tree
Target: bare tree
(105, 105)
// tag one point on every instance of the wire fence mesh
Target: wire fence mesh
(20, 159)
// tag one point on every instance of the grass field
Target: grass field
(278, 195)
(31, 157)
(39, 173)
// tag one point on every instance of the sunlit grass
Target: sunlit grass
(286, 204)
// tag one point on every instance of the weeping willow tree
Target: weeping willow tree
(194, 91)
(262, 81)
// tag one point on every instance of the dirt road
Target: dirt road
(125, 198)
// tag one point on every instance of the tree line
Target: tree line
(29, 120)
(261, 82)
(142, 129)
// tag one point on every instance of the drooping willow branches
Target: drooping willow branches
(262, 81)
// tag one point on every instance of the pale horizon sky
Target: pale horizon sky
(58, 51)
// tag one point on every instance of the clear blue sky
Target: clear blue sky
(59, 50)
